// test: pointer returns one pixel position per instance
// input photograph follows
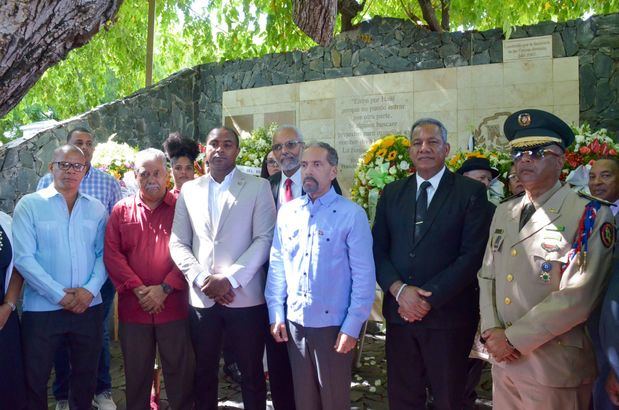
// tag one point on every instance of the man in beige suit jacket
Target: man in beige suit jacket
(222, 233)
(534, 296)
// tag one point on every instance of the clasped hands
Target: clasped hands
(218, 287)
(151, 298)
(76, 300)
(412, 301)
(498, 346)
(343, 344)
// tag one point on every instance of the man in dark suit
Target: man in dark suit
(430, 232)
(287, 148)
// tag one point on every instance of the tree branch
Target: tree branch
(409, 13)
(445, 6)
(36, 34)
(316, 18)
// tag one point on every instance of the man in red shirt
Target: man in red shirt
(152, 292)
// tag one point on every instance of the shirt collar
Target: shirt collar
(227, 179)
(434, 181)
(169, 199)
(296, 178)
(541, 200)
(615, 207)
(326, 200)
(50, 191)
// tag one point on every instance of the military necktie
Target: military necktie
(527, 212)
(422, 207)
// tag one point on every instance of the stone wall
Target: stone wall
(190, 101)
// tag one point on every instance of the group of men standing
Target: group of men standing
(292, 265)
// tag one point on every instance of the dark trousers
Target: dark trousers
(280, 374)
(244, 330)
(416, 355)
(321, 376)
(61, 359)
(139, 344)
(12, 379)
(475, 368)
(42, 335)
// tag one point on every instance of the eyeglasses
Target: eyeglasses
(512, 176)
(271, 162)
(65, 166)
(536, 153)
(290, 145)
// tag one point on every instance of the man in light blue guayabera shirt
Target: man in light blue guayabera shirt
(321, 274)
(58, 235)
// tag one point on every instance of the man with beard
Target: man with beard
(286, 185)
(222, 233)
(320, 286)
(152, 292)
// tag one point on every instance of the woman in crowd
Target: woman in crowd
(269, 166)
(182, 152)
(12, 379)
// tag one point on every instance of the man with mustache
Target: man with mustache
(222, 232)
(429, 236)
(58, 242)
(320, 286)
(286, 185)
(545, 267)
(604, 184)
(152, 292)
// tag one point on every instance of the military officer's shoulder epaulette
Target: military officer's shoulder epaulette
(594, 198)
(509, 198)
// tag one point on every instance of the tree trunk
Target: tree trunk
(349, 9)
(36, 34)
(429, 15)
(316, 18)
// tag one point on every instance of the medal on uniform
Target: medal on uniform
(497, 240)
(545, 275)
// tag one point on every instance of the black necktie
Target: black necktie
(527, 212)
(422, 207)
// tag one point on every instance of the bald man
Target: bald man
(58, 236)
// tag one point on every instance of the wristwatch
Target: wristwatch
(12, 306)
(167, 289)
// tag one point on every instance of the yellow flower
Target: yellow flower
(367, 158)
(388, 141)
(405, 142)
(381, 152)
(392, 155)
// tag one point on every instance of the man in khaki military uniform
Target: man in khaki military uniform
(534, 296)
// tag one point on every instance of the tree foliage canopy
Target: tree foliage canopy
(191, 32)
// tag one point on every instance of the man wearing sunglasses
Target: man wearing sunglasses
(58, 235)
(546, 263)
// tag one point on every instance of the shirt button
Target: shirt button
(326, 311)
(514, 252)
(306, 254)
(510, 277)
(412, 255)
(304, 273)
(508, 301)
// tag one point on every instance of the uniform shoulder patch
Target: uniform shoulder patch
(607, 234)
(594, 198)
(509, 198)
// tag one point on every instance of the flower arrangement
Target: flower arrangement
(498, 159)
(588, 146)
(385, 161)
(114, 158)
(255, 146)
